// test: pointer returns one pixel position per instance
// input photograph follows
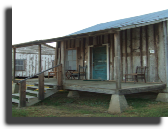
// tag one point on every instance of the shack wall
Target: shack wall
(31, 64)
(141, 46)
(30, 57)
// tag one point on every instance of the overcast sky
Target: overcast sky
(44, 19)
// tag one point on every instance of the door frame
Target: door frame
(107, 54)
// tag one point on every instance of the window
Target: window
(71, 60)
(20, 65)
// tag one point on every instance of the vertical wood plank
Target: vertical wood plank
(87, 41)
(117, 59)
(98, 40)
(72, 43)
(22, 94)
(13, 64)
(58, 62)
(65, 41)
(113, 55)
(41, 86)
(105, 41)
(106, 38)
(84, 42)
(91, 62)
(155, 33)
(165, 33)
(56, 54)
(131, 50)
(121, 54)
(141, 55)
(81, 54)
(147, 64)
(86, 55)
(161, 46)
(94, 40)
(102, 39)
(78, 57)
(88, 63)
(136, 47)
(90, 40)
(77, 43)
(63, 61)
(143, 46)
(126, 63)
(59, 75)
(39, 57)
(151, 60)
(68, 43)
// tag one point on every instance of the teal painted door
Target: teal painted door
(100, 63)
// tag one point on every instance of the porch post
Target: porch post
(39, 57)
(41, 77)
(165, 27)
(63, 61)
(163, 97)
(117, 59)
(56, 61)
(13, 64)
(56, 51)
(118, 103)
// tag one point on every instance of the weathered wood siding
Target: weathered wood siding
(137, 45)
(30, 55)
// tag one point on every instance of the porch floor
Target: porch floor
(107, 87)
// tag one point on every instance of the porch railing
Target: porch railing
(22, 85)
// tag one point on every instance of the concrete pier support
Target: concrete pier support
(118, 104)
(73, 94)
(163, 97)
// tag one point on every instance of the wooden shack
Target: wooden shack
(27, 60)
(111, 50)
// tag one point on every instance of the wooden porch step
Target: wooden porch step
(32, 92)
(15, 100)
(27, 96)
(36, 87)
(46, 84)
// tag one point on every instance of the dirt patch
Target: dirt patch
(43, 110)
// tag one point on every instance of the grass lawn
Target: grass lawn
(92, 105)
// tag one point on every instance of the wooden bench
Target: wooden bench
(139, 74)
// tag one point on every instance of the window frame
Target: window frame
(67, 57)
(24, 68)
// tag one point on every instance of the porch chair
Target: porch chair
(79, 72)
(139, 74)
(53, 73)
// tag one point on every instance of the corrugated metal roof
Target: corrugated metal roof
(147, 18)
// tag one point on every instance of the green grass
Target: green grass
(19, 112)
(91, 105)
(139, 103)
